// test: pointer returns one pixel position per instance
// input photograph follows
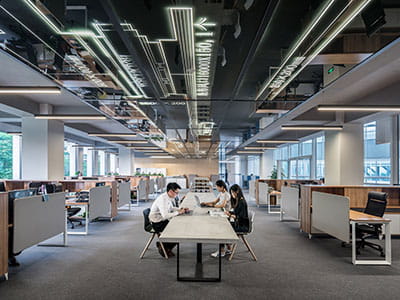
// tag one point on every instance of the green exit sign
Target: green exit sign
(331, 70)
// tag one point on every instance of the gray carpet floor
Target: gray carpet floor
(106, 265)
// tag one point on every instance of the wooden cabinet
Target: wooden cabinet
(3, 234)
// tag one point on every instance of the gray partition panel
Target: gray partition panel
(124, 193)
(262, 193)
(330, 214)
(290, 202)
(36, 220)
(142, 190)
(99, 202)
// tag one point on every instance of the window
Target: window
(306, 148)
(320, 157)
(6, 156)
(377, 168)
(301, 161)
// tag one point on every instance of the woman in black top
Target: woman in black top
(240, 216)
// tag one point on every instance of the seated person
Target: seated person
(223, 199)
(162, 210)
(239, 216)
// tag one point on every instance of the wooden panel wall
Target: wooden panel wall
(3, 233)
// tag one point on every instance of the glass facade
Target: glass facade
(295, 161)
(377, 163)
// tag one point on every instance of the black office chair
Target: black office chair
(376, 206)
(149, 228)
(71, 212)
(2, 186)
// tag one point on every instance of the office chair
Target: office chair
(72, 211)
(241, 236)
(2, 186)
(149, 228)
(376, 206)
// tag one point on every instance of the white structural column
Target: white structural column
(126, 161)
(107, 163)
(42, 149)
(344, 156)
(96, 170)
(267, 164)
(79, 160)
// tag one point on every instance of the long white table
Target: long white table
(199, 227)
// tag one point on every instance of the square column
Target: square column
(267, 164)
(42, 149)
(344, 156)
(126, 161)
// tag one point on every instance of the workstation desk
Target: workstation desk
(332, 215)
(358, 197)
(200, 228)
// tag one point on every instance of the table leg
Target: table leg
(353, 242)
(388, 244)
(199, 267)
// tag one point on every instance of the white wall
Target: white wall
(267, 164)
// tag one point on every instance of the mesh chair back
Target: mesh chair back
(376, 204)
(147, 223)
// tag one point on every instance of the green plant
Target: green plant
(274, 173)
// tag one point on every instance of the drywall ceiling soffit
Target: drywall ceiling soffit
(376, 73)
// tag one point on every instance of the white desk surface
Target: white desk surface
(199, 227)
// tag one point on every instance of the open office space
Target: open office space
(199, 149)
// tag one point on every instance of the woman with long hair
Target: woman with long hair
(238, 216)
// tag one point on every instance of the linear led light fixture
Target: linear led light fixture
(112, 134)
(129, 142)
(373, 108)
(297, 45)
(15, 133)
(250, 152)
(70, 117)
(161, 156)
(310, 57)
(277, 141)
(143, 148)
(30, 90)
(259, 148)
(271, 111)
(328, 127)
(158, 150)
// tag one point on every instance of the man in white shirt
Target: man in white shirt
(162, 210)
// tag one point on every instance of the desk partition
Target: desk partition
(3, 234)
(331, 215)
(36, 219)
(99, 202)
(289, 203)
(124, 193)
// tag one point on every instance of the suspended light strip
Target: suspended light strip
(30, 90)
(129, 142)
(310, 57)
(112, 134)
(373, 108)
(151, 151)
(15, 133)
(70, 117)
(277, 141)
(161, 157)
(297, 45)
(283, 127)
(259, 148)
(144, 148)
(250, 152)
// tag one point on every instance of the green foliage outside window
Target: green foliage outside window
(6, 156)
